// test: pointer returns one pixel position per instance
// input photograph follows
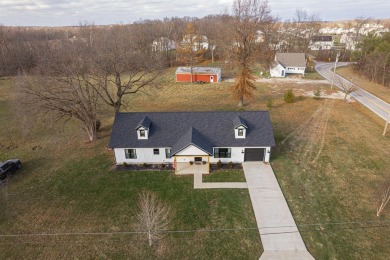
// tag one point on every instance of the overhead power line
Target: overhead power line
(364, 224)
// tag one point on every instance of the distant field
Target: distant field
(330, 160)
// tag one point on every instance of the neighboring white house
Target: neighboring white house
(350, 41)
(288, 63)
(321, 42)
(199, 42)
(163, 44)
(191, 140)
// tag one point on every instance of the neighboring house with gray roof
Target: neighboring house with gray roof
(321, 42)
(191, 140)
(288, 63)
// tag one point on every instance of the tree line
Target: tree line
(373, 58)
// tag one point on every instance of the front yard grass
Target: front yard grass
(225, 176)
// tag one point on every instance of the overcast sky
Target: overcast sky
(68, 12)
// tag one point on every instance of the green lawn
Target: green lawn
(225, 176)
(67, 185)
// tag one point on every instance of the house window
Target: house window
(141, 133)
(222, 153)
(198, 160)
(130, 154)
(168, 153)
(156, 151)
(240, 132)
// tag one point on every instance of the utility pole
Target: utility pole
(334, 69)
(387, 123)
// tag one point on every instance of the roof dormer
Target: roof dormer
(143, 128)
(240, 127)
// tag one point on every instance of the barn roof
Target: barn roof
(198, 70)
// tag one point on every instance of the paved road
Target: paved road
(375, 104)
(279, 234)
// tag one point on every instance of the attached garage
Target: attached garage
(254, 154)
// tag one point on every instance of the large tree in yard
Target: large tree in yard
(248, 42)
(124, 64)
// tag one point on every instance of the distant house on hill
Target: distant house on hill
(321, 42)
(163, 44)
(350, 41)
(198, 74)
(288, 63)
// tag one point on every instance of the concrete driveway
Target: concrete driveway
(278, 231)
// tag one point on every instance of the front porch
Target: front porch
(191, 165)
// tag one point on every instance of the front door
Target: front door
(211, 78)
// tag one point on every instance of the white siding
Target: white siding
(190, 158)
(191, 150)
(144, 155)
(295, 70)
(277, 71)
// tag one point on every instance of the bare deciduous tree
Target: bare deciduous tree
(302, 29)
(346, 86)
(247, 41)
(153, 215)
(65, 97)
(121, 68)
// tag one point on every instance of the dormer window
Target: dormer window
(143, 128)
(240, 127)
(142, 133)
(240, 132)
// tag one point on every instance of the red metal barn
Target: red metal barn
(204, 74)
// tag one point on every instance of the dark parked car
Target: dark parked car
(8, 167)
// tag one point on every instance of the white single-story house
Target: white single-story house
(191, 140)
(288, 63)
(321, 42)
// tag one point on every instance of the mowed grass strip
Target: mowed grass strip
(229, 175)
(374, 88)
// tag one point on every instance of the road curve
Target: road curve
(375, 104)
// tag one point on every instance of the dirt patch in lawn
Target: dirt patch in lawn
(309, 138)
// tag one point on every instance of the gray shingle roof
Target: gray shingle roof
(145, 122)
(291, 59)
(192, 136)
(211, 129)
(238, 121)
